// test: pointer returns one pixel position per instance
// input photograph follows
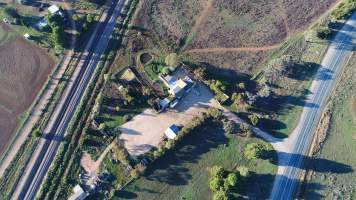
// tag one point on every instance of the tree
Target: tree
(90, 18)
(254, 150)
(323, 32)
(215, 183)
(230, 181)
(11, 12)
(220, 195)
(243, 171)
(37, 133)
(134, 173)
(253, 119)
(242, 86)
(217, 171)
(200, 73)
(229, 127)
(171, 60)
(165, 71)
(102, 126)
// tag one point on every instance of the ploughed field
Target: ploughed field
(24, 68)
(230, 34)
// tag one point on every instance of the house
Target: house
(54, 9)
(176, 86)
(78, 193)
(172, 131)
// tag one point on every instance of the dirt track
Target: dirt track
(24, 68)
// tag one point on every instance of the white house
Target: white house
(172, 132)
(54, 9)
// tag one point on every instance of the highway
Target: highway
(35, 171)
(339, 51)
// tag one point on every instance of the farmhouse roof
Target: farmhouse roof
(53, 9)
(172, 131)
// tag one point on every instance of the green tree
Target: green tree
(217, 171)
(254, 150)
(171, 60)
(220, 195)
(37, 133)
(230, 181)
(254, 119)
(243, 171)
(323, 32)
(102, 126)
(229, 127)
(165, 71)
(90, 18)
(200, 73)
(215, 183)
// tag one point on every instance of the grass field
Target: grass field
(184, 172)
(340, 145)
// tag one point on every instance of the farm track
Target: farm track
(237, 49)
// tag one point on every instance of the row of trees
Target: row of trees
(57, 37)
(344, 10)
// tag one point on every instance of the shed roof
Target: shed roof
(172, 131)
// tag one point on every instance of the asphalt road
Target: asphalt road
(32, 182)
(286, 183)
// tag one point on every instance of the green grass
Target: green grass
(307, 52)
(340, 146)
(113, 120)
(184, 172)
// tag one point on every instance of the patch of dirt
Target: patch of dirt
(322, 130)
(24, 68)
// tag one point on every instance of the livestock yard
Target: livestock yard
(24, 68)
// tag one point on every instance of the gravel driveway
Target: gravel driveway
(146, 130)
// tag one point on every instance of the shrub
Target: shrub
(127, 118)
(253, 119)
(229, 127)
(243, 171)
(165, 71)
(323, 32)
(171, 60)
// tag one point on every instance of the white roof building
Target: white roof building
(53, 9)
(78, 193)
(172, 132)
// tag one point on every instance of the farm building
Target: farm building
(172, 132)
(54, 9)
(78, 193)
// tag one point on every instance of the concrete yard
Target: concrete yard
(146, 130)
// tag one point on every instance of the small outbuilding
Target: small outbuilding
(78, 193)
(172, 131)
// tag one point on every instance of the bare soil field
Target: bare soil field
(24, 68)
